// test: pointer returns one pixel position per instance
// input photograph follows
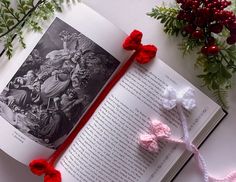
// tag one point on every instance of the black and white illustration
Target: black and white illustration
(56, 84)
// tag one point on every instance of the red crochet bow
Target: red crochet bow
(143, 54)
(41, 166)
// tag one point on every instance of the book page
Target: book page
(107, 150)
(48, 86)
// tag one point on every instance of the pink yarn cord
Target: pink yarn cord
(202, 164)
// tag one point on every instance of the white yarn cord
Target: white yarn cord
(189, 146)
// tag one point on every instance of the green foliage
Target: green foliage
(8, 45)
(26, 12)
(167, 16)
(215, 74)
(189, 44)
(217, 69)
(233, 5)
(221, 95)
(228, 56)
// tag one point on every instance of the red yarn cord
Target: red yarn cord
(143, 54)
(92, 109)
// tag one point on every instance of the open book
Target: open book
(47, 87)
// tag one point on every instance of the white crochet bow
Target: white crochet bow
(186, 98)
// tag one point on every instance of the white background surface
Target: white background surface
(219, 149)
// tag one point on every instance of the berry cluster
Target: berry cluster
(204, 17)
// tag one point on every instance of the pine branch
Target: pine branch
(167, 16)
(233, 6)
(221, 96)
(216, 75)
(228, 56)
(188, 45)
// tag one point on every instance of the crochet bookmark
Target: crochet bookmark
(142, 54)
(160, 131)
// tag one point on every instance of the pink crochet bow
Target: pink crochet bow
(159, 131)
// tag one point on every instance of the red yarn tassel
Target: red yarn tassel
(142, 54)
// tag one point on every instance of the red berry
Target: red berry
(189, 29)
(216, 28)
(181, 15)
(200, 22)
(210, 40)
(232, 25)
(185, 7)
(231, 40)
(212, 50)
(204, 50)
(233, 32)
(198, 34)
(179, 1)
